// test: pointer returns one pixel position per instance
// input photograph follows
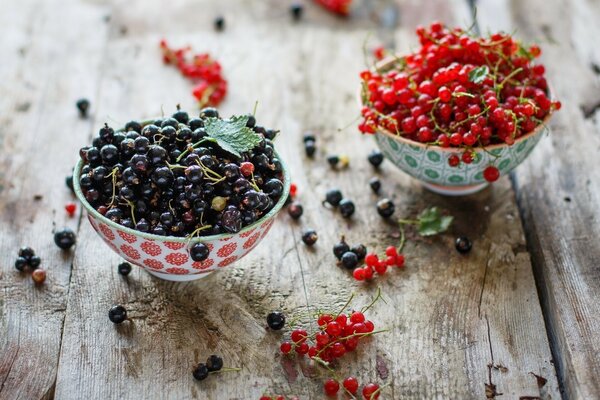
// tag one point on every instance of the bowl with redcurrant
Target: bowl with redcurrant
(460, 111)
(182, 196)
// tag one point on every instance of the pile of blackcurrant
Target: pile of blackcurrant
(175, 176)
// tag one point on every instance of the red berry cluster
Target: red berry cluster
(458, 91)
(340, 7)
(336, 336)
(370, 390)
(374, 264)
(210, 86)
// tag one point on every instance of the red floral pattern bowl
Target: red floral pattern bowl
(168, 257)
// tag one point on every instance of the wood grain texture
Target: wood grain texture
(41, 79)
(557, 188)
(457, 323)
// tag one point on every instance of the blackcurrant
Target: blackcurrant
(64, 238)
(375, 158)
(199, 252)
(276, 320)
(214, 363)
(385, 208)
(209, 112)
(310, 148)
(296, 9)
(309, 237)
(21, 263)
(181, 116)
(200, 372)
(463, 244)
(69, 182)
(340, 248)
(83, 105)
(333, 197)
(333, 160)
(375, 185)
(349, 260)
(137, 127)
(360, 250)
(295, 210)
(117, 314)
(219, 23)
(26, 252)
(346, 208)
(124, 268)
(34, 262)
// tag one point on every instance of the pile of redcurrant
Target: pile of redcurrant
(379, 265)
(351, 385)
(459, 91)
(210, 86)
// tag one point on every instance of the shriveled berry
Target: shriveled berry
(26, 252)
(295, 210)
(117, 314)
(333, 160)
(64, 238)
(200, 373)
(463, 244)
(124, 268)
(214, 363)
(309, 237)
(276, 320)
(219, 23)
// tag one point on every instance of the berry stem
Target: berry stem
(345, 305)
(375, 299)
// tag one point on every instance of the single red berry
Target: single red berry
(491, 173)
(70, 209)
(381, 267)
(359, 274)
(390, 261)
(280, 397)
(351, 343)
(399, 261)
(371, 259)
(351, 384)
(357, 317)
(324, 319)
(338, 350)
(247, 168)
(293, 189)
(368, 271)
(379, 52)
(342, 319)
(370, 326)
(370, 391)
(299, 336)
(285, 347)
(391, 251)
(331, 387)
(266, 398)
(312, 352)
(302, 348)
(334, 329)
(467, 157)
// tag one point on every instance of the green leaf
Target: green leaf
(431, 222)
(477, 75)
(232, 135)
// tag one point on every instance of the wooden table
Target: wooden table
(517, 318)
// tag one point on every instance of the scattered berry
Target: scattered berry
(38, 276)
(285, 347)
(351, 384)
(385, 208)
(346, 208)
(491, 173)
(331, 387)
(21, 263)
(295, 210)
(200, 372)
(214, 363)
(83, 105)
(375, 158)
(310, 148)
(375, 185)
(219, 23)
(34, 262)
(349, 260)
(339, 249)
(309, 237)
(360, 250)
(297, 10)
(69, 182)
(117, 314)
(26, 252)
(463, 244)
(371, 391)
(333, 197)
(276, 320)
(70, 208)
(333, 160)
(124, 268)
(64, 238)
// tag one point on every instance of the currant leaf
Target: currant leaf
(232, 135)
(431, 222)
(477, 75)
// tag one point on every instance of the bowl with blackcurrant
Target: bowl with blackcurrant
(182, 196)
(460, 111)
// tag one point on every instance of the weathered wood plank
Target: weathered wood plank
(41, 79)
(557, 191)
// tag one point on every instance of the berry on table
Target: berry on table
(117, 314)
(371, 391)
(70, 208)
(351, 384)
(333, 160)
(21, 263)
(285, 347)
(375, 185)
(214, 363)
(331, 387)
(64, 238)
(491, 173)
(463, 244)
(295, 210)
(385, 208)
(200, 373)
(296, 10)
(124, 268)
(83, 105)
(310, 148)
(276, 320)
(34, 262)
(359, 274)
(309, 237)
(375, 158)
(38, 276)
(199, 252)
(219, 23)
(349, 260)
(360, 250)
(340, 248)
(333, 197)
(26, 252)
(347, 208)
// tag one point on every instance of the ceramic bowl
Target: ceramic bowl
(429, 163)
(168, 257)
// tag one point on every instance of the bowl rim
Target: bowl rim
(197, 239)
(389, 60)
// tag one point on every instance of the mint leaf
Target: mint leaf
(477, 75)
(431, 222)
(232, 135)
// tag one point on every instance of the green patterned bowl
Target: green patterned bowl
(429, 163)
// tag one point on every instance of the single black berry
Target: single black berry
(34, 262)
(26, 252)
(340, 248)
(333, 197)
(124, 268)
(214, 363)
(276, 320)
(199, 252)
(333, 160)
(21, 263)
(310, 237)
(346, 208)
(375, 158)
(83, 105)
(69, 182)
(310, 148)
(349, 260)
(200, 372)
(360, 250)
(219, 23)
(309, 136)
(385, 208)
(375, 185)
(117, 314)
(295, 210)
(297, 10)
(64, 238)
(463, 244)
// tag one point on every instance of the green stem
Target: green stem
(377, 297)
(344, 307)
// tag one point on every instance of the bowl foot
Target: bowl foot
(454, 190)
(178, 278)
